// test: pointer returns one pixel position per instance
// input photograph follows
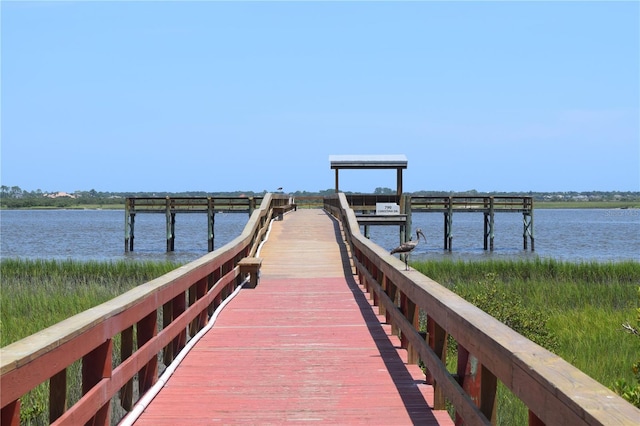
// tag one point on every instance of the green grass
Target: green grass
(39, 293)
(583, 306)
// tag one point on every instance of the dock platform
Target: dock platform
(304, 346)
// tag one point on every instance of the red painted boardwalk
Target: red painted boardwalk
(303, 347)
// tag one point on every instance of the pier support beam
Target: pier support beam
(171, 226)
(211, 223)
(448, 225)
(488, 223)
(170, 206)
(129, 221)
(527, 220)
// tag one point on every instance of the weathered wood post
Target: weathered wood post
(448, 224)
(211, 214)
(485, 244)
(489, 222)
(129, 220)
(527, 218)
(171, 225)
(491, 227)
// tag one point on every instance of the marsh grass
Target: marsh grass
(39, 293)
(584, 306)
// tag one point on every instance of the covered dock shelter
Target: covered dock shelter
(364, 162)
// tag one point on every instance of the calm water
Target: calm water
(575, 235)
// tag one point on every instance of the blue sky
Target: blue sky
(222, 96)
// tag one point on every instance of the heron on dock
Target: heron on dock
(408, 247)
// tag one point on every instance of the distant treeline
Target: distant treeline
(15, 197)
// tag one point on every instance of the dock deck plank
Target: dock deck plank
(304, 346)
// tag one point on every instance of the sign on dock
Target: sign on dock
(387, 209)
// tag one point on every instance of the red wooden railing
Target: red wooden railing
(555, 392)
(150, 324)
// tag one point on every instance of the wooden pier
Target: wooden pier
(304, 345)
(365, 206)
(367, 214)
(488, 206)
(170, 206)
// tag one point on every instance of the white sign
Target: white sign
(387, 208)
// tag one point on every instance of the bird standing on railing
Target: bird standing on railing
(408, 246)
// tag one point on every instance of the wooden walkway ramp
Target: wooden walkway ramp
(305, 346)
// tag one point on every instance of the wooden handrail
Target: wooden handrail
(498, 203)
(161, 315)
(554, 391)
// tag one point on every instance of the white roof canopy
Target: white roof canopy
(395, 161)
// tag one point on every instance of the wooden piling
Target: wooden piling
(171, 225)
(129, 221)
(211, 219)
(448, 224)
(488, 223)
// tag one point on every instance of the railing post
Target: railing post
(147, 329)
(198, 291)
(10, 415)
(178, 306)
(412, 313)
(437, 338)
(96, 365)
(126, 350)
(488, 392)
(57, 395)
(391, 292)
(409, 311)
(478, 382)
(167, 317)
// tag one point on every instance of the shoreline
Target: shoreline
(623, 205)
